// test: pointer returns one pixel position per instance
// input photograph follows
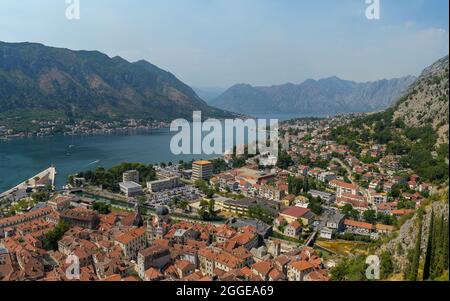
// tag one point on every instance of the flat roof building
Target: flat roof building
(325, 196)
(202, 170)
(130, 189)
(163, 184)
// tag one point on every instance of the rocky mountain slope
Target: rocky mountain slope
(427, 100)
(322, 97)
(406, 238)
(89, 84)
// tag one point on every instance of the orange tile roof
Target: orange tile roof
(301, 265)
(183, 265)
(344, 184)
(153, 274)
(25, 217)
(129, 236)
(246, 271)
(262, 267)
(275, 275)
(352, 223)
(402, 211)
(384, 227)
(202, 162)
(295, 211)
(295, 224)
(114, 277)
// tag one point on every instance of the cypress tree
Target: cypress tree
(414, 267)
(427, 265)
(434, 248)
(290, 185)
(438, 258)
(446, 246)
(306, 185)
(441, 253)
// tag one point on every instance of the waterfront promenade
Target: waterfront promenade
(45, 177)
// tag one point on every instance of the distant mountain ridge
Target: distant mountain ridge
(208, 94)
(89, 84)
(325, 96)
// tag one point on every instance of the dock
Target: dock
(45, 177)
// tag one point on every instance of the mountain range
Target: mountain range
(208, 93)
(90, 84)
(314, 97)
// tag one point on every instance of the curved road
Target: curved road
(349, 171)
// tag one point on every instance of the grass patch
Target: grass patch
(343, 247)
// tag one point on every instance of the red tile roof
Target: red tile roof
(295, 211)
(352, 223)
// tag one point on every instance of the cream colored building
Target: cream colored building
(202, 170)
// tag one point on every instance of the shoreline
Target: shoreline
(164, 125)
(94, 133)
(51, 172)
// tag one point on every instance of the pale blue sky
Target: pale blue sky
(261, 42)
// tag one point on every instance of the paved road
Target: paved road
(349, 171)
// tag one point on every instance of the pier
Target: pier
(45, 177)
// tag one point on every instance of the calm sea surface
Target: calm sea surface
(21, 159)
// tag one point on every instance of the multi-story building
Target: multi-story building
(6, 264)
(335, 221)
(163, 184)
(153, 257)
(344, 188)
(206, 258)
(360, 228)
(184, 268)
(297, 270)
(326, 233)
(83, 218)
(326, 176)
(293, 229)
(60, 203)
(23, 218)
(298, 214)
(130, 189)
(325, 196)
(376, 198)
(210, 260)
(242, 207)
(130, 176)
(202, 170)
(271, 192)
(132, 242)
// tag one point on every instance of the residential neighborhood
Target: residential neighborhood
(224, 219)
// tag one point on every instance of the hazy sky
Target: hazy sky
(261, 42)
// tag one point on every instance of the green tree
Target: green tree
(203, 210)
(370, 216)
(427, 264)
(52, 237)
(284, 160)
(414, 255)
(438, 257)
(387, 265)
(101, 208)
(211, 211)
(350, 269)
